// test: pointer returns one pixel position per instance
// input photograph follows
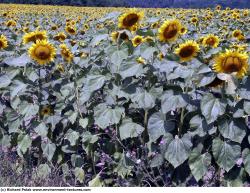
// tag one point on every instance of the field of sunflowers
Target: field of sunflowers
(127, 97)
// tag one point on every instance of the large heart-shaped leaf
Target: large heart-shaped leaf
(129, 129)
(178, 150)
(235, 130)
(105, 116)
(212, 107)
(48, 150)
(225, 153)
(199, 163)
(246, 160)
(170, 101)
(158, 126)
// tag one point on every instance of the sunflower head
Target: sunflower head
(34, 36)
(211, 41)
(46, 111)
(114, 36)
(187, 50)
(183, 30)
(194, 20)
(60, 37)
(148, 39)
(130, 19)
(231, 62)
(137, 40)
(236, 33)
(60, 68)
(10, 23)
(3, 42)
(169, 31)
(42, 52)
(70, 29)
(160, 56)
(66, 53)
(141, 60)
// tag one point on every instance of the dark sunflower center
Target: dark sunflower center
(42, 52)
(210, 41)
(1, 44)
(130, 20)
(232, 64)
(236, 34)
(186, 51)
(137, 40)
(71, 30)
(65, 53)
(36, 37)
(170, 31)
(123, 36)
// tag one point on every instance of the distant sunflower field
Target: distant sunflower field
(127, 97)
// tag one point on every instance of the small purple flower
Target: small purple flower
(239, 162)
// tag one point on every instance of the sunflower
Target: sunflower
(54, 27)
(10, 23)
(70, 30)
(66, 53)
(160, 56)
(187, 50)
(60, 36)
(169, 31)
(183, 30)
(3, 42)
(231, 62)
(42, 52)
(130, 19)
(148, 39)
(211, 41)
(236, 33)
(141, 60)
(46, 111)
(194, 20)
(60, 68)
(114, 36)
(137, 40)
(34, 36)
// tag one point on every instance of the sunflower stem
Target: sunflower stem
(39, 93)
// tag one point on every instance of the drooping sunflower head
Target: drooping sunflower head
(187, 50)
(231, 62)
(66, 53)
(211, 41)
(114, 36)
(130, 19)
(42, 52)
(3, 42)
(34, 36)
(169, 31)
